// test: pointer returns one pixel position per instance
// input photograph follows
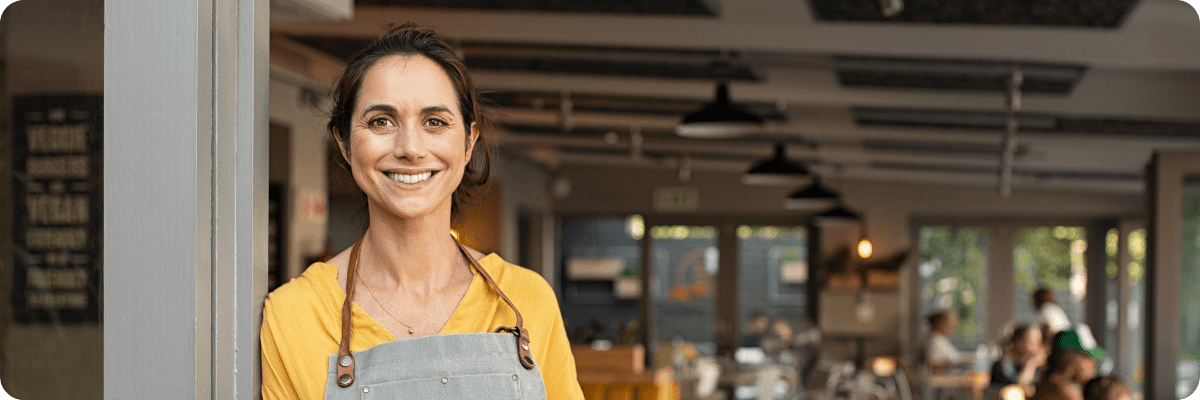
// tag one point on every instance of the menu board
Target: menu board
(57, 205)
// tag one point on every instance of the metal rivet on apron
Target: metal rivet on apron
(344, 361)
(366, 389)
(445, 380)
(525, 346)
(514, 377)
(345, 379)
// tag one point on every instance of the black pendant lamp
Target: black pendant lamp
(720, 119)
(777, 170)
(812, 197)
(839, 215)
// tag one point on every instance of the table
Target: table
(656, 384)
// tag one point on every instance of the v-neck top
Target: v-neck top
(302, 325)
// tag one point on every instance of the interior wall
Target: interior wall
(50, 47)
(525, 190)
(306, 195)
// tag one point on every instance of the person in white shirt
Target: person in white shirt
(940, 353)
(1051, 316)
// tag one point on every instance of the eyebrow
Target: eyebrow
(389, 109)
(379, 107)
(433, 109)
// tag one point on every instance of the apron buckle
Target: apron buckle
(345, 370)
(523, 352)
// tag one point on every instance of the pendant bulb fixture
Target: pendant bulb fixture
(812, 197)
(777, 170)
(836, 216)
(864, 248)
(720, 119)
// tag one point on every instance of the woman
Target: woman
(940, 353)
(408, 311)
(1066, 371)
(1109, 387)
(1021, 363)
(1050, 315)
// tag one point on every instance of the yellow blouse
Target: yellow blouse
(302, 326)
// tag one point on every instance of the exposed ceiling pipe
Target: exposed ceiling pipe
(1012, 105)
(858, 171)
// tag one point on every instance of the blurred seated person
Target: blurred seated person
(755, 329)
(1051, 316)
(777, 341)
(1072, 363)
(1022, 359)
(1107, 388)
(940, 353)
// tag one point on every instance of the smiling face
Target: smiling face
(408, 144)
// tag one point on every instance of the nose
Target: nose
(409, 143)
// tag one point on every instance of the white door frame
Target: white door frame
(1164, 263)
(185, 178)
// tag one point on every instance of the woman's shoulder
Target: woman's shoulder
(516, 280)
(317, 285)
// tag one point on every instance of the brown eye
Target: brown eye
(380, 122)
(437, 122)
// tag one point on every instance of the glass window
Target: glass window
(1135, 369)
(1053, 258)
(601, 277)
(51, 193)
(685, 262)
(772, 275)
(1189, 346)
(1112, 242)
(953, 269)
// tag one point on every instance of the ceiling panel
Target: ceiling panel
(1031, 122)
(958, 74)
(1066, 13)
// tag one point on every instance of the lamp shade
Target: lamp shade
(812, 197)
(777, 170)
(839, 215)
(719, 120)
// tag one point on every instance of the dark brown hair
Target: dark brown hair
(1105, 388)
(1018, 333)
(412, 40)
(1042, 296)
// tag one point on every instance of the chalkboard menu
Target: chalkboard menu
(57, 206)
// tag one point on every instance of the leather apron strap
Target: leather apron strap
(345, 360)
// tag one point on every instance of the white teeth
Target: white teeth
(410, 178)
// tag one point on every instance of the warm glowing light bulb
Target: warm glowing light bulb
(1012, 392)
(864, 248)
(883, 366)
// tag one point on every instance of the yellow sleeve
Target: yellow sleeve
(561, 379)
(558, 363)
(276, 383)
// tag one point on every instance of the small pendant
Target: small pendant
(410, 331)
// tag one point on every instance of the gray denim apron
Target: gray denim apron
(459, 366)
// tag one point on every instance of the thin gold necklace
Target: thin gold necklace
(436, 301)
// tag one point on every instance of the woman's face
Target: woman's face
(946, 324)
(1030, 343)
(407, 147)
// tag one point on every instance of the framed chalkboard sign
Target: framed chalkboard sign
(58, 208)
